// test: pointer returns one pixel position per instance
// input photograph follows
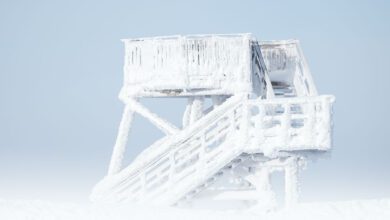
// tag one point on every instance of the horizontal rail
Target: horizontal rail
(168, 152)
(185, 63)
(301, 123)
(176, 164)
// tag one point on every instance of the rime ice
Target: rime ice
(266, 117)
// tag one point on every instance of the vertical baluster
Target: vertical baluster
(172, 163)
(309, 124)
(232, 122)
(286, 124)
(259, 124)
(245, 122)
(182, 52)
(326, 122)
(202, 166)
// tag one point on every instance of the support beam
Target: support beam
(121, 141)
(218, 100)
(160, 123)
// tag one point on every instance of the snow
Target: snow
(275, 139)
(42, 210)
(277, 123)
(187, 62)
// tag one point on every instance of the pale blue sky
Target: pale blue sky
(61, 71)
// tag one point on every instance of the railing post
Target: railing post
(171, 167)
(202, 156)
(260, 124)
(286, 124)
(309, 124)
(244, 125)
(326, 114)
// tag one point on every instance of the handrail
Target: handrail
(203, 148)
(183, 63)
(162, 147)
(281, 55)
(299, 123)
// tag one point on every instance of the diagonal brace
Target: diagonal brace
(160, 123)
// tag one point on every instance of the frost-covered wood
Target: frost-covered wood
(120, 145)
(180, 63)
(300, 123)
(265, 117)
(286, 65)
(213, 140)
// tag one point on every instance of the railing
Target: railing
(301, 123)
(177, 164)
(199, 151)
(287, 56)
(188, 62)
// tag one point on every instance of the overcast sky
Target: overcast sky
(61, 71)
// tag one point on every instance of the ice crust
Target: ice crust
(44, 210)
(268, 106)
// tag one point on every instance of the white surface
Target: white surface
(183, 161)
(188, 62)
(44, 210)
(186, 161)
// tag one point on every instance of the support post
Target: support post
(121, 141)
(187, 112)
(266, 200)
(261, 180)
(196, 109)
(263, 177)
(291, 182)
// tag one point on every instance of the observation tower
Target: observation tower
(266, 116)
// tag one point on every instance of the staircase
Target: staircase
(283, 118)
(181, 164)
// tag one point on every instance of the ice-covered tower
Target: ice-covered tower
(266, 116)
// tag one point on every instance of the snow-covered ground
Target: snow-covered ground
(42, 210)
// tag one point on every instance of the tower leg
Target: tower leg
(121, 141)
(187, 112)
(196, 109)
(265, 196)
(291, 182)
